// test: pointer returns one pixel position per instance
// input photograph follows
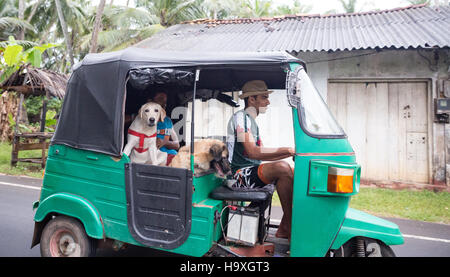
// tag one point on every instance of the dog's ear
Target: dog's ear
(162, 115)
(141, 111)
(224, 151)
(215, 150)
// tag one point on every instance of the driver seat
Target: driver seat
(259, 197)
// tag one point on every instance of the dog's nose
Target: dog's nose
(151, 119)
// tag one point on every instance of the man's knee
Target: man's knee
(284, 169)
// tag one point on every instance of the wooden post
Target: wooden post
(43, 119)
(44, 111)
(15, 149)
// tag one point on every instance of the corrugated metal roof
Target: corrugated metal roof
(401, 28)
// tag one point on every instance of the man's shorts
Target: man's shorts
(250, 177)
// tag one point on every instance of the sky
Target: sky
(322, 6)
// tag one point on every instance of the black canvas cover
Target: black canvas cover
(93, 109)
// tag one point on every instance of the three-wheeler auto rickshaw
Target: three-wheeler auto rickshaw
(93, 195)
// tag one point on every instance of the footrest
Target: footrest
(225, 193)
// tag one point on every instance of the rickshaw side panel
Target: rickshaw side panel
(100, 180)
(96, 177)
(315, 218)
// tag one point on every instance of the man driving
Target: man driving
(246, 152)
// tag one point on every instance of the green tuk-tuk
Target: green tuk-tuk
(92, 193)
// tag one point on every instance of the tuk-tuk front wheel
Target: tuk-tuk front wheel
(364, 247)
(65, 237)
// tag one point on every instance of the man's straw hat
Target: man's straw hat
(254, 87)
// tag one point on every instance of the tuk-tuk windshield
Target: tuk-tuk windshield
(316, 117)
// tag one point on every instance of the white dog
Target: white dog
(141, 145)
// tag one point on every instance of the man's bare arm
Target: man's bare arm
(173, 142)
(263, 153)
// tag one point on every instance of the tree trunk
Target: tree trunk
(8, 107)
(46, 34)
(33, 11)
(21, 35)
(65, 32)
(97, 26)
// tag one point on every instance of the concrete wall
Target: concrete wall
(432, 66)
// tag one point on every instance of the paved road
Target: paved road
(16, 229)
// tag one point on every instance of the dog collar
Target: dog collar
(142, 137)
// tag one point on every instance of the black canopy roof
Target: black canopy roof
(92, 113)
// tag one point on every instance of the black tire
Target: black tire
(372, 248)
(65, 237)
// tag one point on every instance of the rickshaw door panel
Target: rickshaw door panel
(159, 202)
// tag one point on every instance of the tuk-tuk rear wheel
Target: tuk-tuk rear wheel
(65, 237)
(364, 247)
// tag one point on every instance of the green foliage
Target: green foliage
(50, 121)
(12, 122)
(14, 56)
(22, 127)
(349, 6)
(33, 105)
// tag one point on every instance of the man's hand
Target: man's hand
(291, 151)
(160, 142)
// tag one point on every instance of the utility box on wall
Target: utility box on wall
(442, 109)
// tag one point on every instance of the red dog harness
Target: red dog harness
(142, 137)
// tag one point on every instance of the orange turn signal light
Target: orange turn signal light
(340, 180)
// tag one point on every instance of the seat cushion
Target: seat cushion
(225, 193)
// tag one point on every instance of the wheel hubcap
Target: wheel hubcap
(67, 245)
(63, 244)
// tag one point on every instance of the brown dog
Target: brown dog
(208, 153)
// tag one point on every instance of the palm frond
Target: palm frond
(24, 43)
(109, 38)
(13, 22)
(181, 11)
(128, 17)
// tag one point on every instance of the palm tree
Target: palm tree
(123, 26)
(97, 25)
(295, 8)
(67, 38)
(255, 8)
(9, 20)
(349, 5)
(170, 12)
(44, 16)
(217, 9)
